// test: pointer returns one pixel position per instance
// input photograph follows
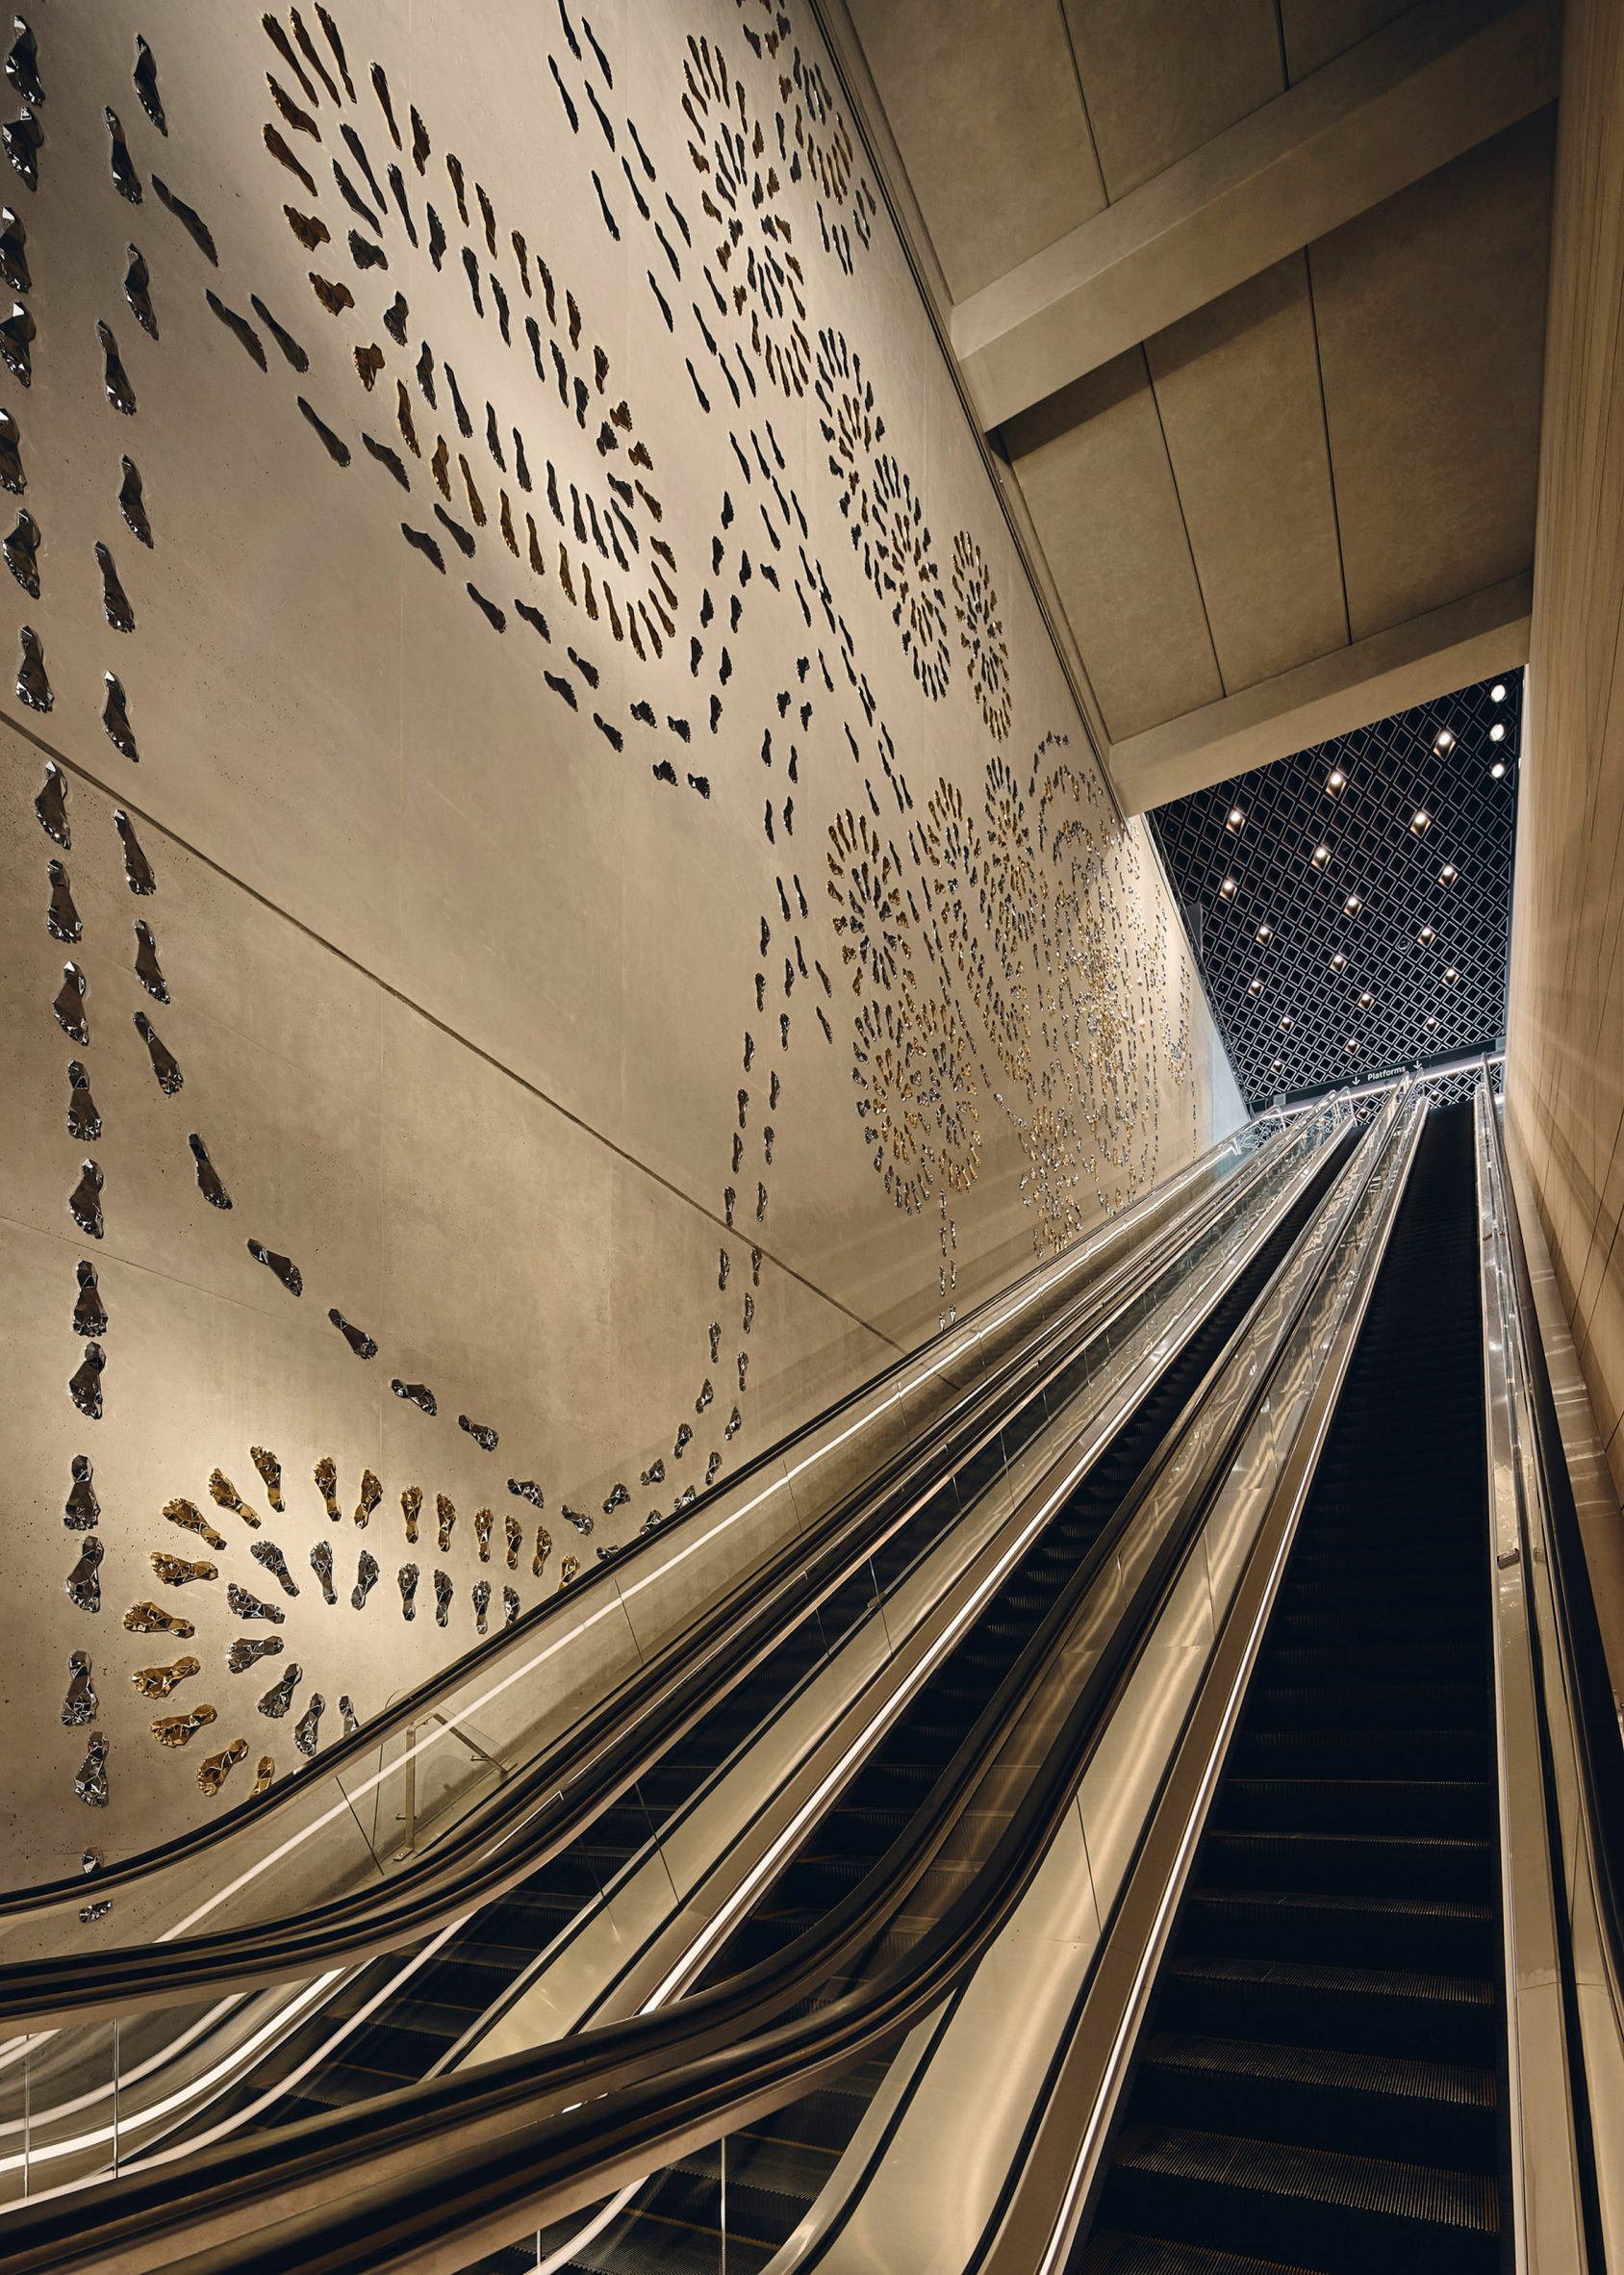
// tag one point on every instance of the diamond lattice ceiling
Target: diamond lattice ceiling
(1388, 950)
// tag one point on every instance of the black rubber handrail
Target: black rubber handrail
(1596, 1721)
(550, 1802)
(680, 2075)
(1598, 1748)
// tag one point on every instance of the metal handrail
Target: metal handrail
(1597, 1732)
(1562, 1786)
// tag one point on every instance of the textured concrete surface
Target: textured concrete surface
(1274, 390)
(1564, 1085)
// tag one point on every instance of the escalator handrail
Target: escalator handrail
(553, 1798)
(692, 2046)
(415, 1706)
(1597, 1747)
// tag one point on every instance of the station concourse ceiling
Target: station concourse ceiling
(1351, 905)
(1248, 297)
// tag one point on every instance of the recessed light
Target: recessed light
(1445, 740)
(1350, 1044)
(1426, 936)
(1229, 889)
(1336, 781)
(1367, 1000)
(1352, 905)
(1431, 1021)
(1497, 770)
(1236, 817)
(1497, 693)
(1339, 962)
(1448, 872)
(1255, 987)
(1420, 820)
(1276, 1065)
(1497, 732)
(1265, 932)
(1286, 1024)
(1320, 855)
(1452, 974)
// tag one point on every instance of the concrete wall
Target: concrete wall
(636, 917)
(1565, 1050)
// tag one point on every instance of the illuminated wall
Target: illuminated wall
(558, 907)
(1565, 1052)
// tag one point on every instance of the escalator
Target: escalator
(414, 2030)
(1320, 2082)
(409, 2033)
(776, 2169)
(839, 1959)
(1324, 2077)
(401, 2030)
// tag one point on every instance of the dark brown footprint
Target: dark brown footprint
(209, 1182)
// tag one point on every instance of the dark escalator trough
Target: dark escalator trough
(1318, 2087)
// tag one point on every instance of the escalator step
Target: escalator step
(1378, 1509)
(1368, 1705)
(1408, 1931)
(1373, 1661)
(1358, 1804)
(1323, 1561)
(1413, 1622)
(780, 2167)
(422, 2023)
(334, 2085)
(1370, 1753)
(1364, 1863)
(1316, 2097)
(1113, 2253)
(1340, 2212)
(1446, 2018)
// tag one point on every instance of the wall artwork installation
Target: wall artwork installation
(560, 910)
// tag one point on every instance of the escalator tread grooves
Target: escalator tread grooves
(1337, 2071)
(1154, 2255)
(1329, 2176)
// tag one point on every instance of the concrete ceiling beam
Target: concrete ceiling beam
(1440, 79)
(1411, 663)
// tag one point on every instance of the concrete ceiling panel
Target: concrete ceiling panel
(1093, 466)
(1316, 30)
(1238, 387)
(1160, 77)
(1431, 311)
(982, 98)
